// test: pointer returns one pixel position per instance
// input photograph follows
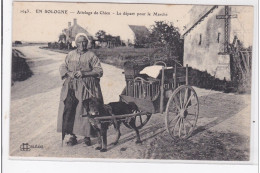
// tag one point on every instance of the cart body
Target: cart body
(167, 93)
(152, 94)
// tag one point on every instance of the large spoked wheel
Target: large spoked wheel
(140, 121)
(182, 112)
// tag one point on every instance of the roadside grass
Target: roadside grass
(207, 146)
(117, 56)
(28, 44)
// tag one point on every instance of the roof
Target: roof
(75, 29)
(199, 13)
(139, 31)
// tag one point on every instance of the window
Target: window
(218, 37)
(200, 39)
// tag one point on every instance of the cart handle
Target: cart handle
(115, 116)
(140, 78)
(160, 62)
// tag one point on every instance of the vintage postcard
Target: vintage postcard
(131, 81)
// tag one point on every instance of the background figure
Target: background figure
(82, 71)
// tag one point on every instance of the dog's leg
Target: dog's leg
(98, 127)
(99, 141)
(104, 139)
(117, 127)
(132, 124)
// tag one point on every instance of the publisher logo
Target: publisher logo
(25, 147)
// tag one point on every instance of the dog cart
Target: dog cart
(167, 94)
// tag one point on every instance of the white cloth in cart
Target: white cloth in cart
(153, 71)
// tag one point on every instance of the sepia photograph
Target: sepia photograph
(131, 81)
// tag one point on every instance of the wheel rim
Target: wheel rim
(182, 112)
(140, 120)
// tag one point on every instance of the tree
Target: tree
(166, 37)
(111, 41)
(108, 37)
(101, 34)
(62, 38)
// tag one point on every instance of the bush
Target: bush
(20, 68)
(17, 42)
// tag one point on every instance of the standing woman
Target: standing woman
(82, 72)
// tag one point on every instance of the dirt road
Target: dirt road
(223, 130)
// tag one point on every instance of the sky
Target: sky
(32, 25)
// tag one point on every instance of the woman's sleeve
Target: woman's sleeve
(64, 68)
(96, 65)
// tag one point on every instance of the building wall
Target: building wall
(203, 44)
(205, 56)
(131, 38)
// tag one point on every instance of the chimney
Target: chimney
(69, 24)
(75, 21)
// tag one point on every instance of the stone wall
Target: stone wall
(203, 44)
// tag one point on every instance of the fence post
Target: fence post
(187, 75)
(175, 76)
(162, 92)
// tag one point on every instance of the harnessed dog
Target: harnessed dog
(95, 108)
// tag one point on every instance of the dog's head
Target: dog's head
(92, 106)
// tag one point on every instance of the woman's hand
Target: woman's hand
(78, 74)
(71, 74)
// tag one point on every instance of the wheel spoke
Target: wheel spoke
(180, 127)
(186, 104)
(141, 120)
(177, 105)
(181, 104)
(188, 122)
(176, 126)
(174, 112)
(173, 119)
(192, 114)
(184, 128)
(195, 104)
